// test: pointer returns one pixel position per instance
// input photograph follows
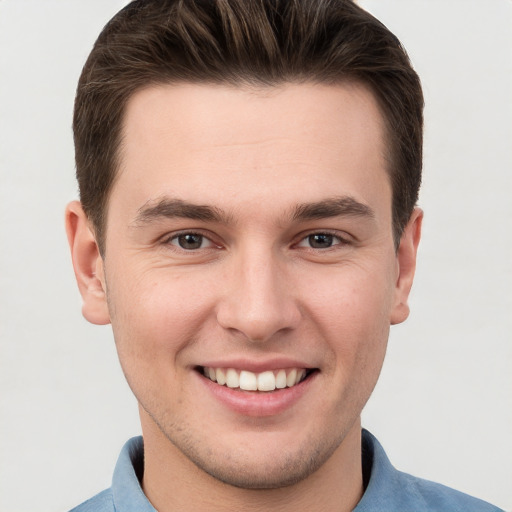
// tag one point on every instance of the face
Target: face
(250, 272)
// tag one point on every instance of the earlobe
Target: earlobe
(87, 264)
(406, 260)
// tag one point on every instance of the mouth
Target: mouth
(266, 381)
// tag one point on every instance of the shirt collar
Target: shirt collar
(126, 489)
(381, 478)
(384, 484)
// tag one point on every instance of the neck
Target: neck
(172, 482)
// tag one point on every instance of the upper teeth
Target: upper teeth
(249, 381)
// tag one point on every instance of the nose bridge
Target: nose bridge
(258, 301)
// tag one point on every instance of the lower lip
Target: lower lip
(258, 403)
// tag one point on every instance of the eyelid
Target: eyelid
(206, 243)
(343, 239)
(169, 237)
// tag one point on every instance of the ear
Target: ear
(406, 263)
(88, 265)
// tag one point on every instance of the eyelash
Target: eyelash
(341, 241)
(168, 240)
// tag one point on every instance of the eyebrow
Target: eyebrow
(170, 208)
(332, 207)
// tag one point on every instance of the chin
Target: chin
(260, 467)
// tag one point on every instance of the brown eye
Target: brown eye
(321, 240)
(190, 241)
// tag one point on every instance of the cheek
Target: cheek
(155, 317)
(354, 296)
(352, 309)
(154, 321)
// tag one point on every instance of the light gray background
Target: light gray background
(443, 407)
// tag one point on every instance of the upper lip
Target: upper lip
(256, 366)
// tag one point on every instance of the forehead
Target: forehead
(273, 146)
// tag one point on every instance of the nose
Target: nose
(258, 300)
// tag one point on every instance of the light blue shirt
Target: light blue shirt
(387, 489)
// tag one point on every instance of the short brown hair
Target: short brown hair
(256, 42)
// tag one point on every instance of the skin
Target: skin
(255, 291)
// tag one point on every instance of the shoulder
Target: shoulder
(126, 492)
(389, 490)
(102, 502)
(427, 496)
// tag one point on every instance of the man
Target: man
(248, 176)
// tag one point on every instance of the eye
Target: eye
(320, 241)
(190, 241)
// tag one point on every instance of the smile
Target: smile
(264, 381)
